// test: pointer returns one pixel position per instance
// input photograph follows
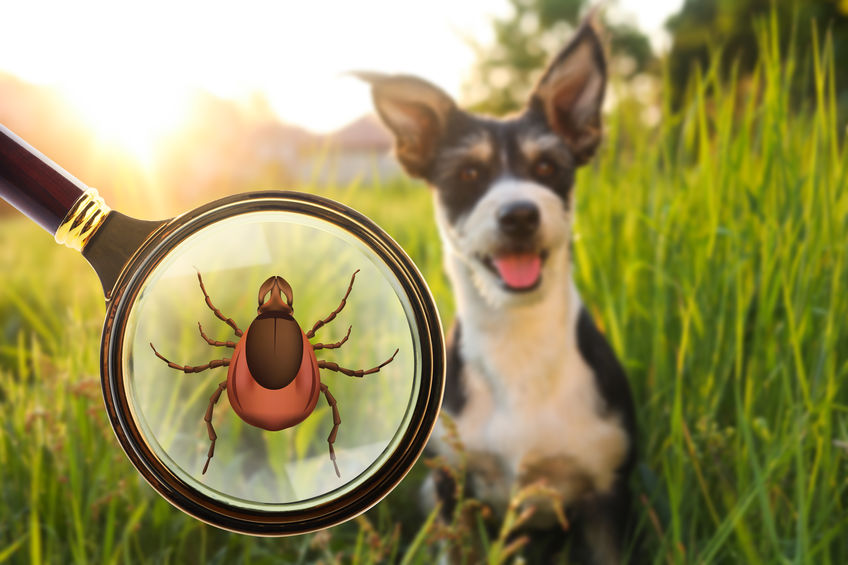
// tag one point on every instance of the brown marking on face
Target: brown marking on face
(535, 144)
(475, 147)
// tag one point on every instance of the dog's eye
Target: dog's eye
(469, 173)
(544, 169)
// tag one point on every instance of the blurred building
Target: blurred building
(360, 152)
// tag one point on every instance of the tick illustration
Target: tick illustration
(273, 381)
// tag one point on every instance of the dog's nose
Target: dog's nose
(519, 218)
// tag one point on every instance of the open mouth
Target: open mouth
(518, 272)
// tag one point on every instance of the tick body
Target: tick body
(269, 408)
(274, 380)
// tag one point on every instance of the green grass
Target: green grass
(712, 251)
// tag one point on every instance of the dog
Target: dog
(534, 388)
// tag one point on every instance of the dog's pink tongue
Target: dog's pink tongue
(519, 270)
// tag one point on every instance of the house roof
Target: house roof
(366, 132)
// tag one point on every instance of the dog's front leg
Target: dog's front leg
(603, 519)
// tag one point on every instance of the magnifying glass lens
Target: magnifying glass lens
(251, 467)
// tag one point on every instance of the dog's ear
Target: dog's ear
(415, 111)
(571, 91)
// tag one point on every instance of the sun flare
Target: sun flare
(135, 121)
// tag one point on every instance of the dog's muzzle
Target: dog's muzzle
(518, 260)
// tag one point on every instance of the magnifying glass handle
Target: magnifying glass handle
(64, 206)
(34, 184)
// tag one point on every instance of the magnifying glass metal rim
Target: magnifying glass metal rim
(329, 512)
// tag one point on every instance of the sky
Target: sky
(129, 69)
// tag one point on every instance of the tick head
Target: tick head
(271, 297)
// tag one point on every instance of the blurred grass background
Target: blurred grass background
(710, 246)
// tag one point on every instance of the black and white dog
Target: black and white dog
(534, 388)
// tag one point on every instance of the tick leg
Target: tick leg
(229, 321)
(333, 345)
(331, 439)
(358, 372)
(311, 333)
(189, 368)
(214, 342)
(208, 419)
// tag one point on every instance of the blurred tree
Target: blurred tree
(525, 40)
(703, 25)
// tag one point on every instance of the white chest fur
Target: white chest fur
(532, 407)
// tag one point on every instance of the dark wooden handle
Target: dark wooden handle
(34, 184)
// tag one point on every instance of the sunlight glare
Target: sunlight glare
(134, 121)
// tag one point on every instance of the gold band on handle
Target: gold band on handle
(82, 220)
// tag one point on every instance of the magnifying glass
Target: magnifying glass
(272, 362)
